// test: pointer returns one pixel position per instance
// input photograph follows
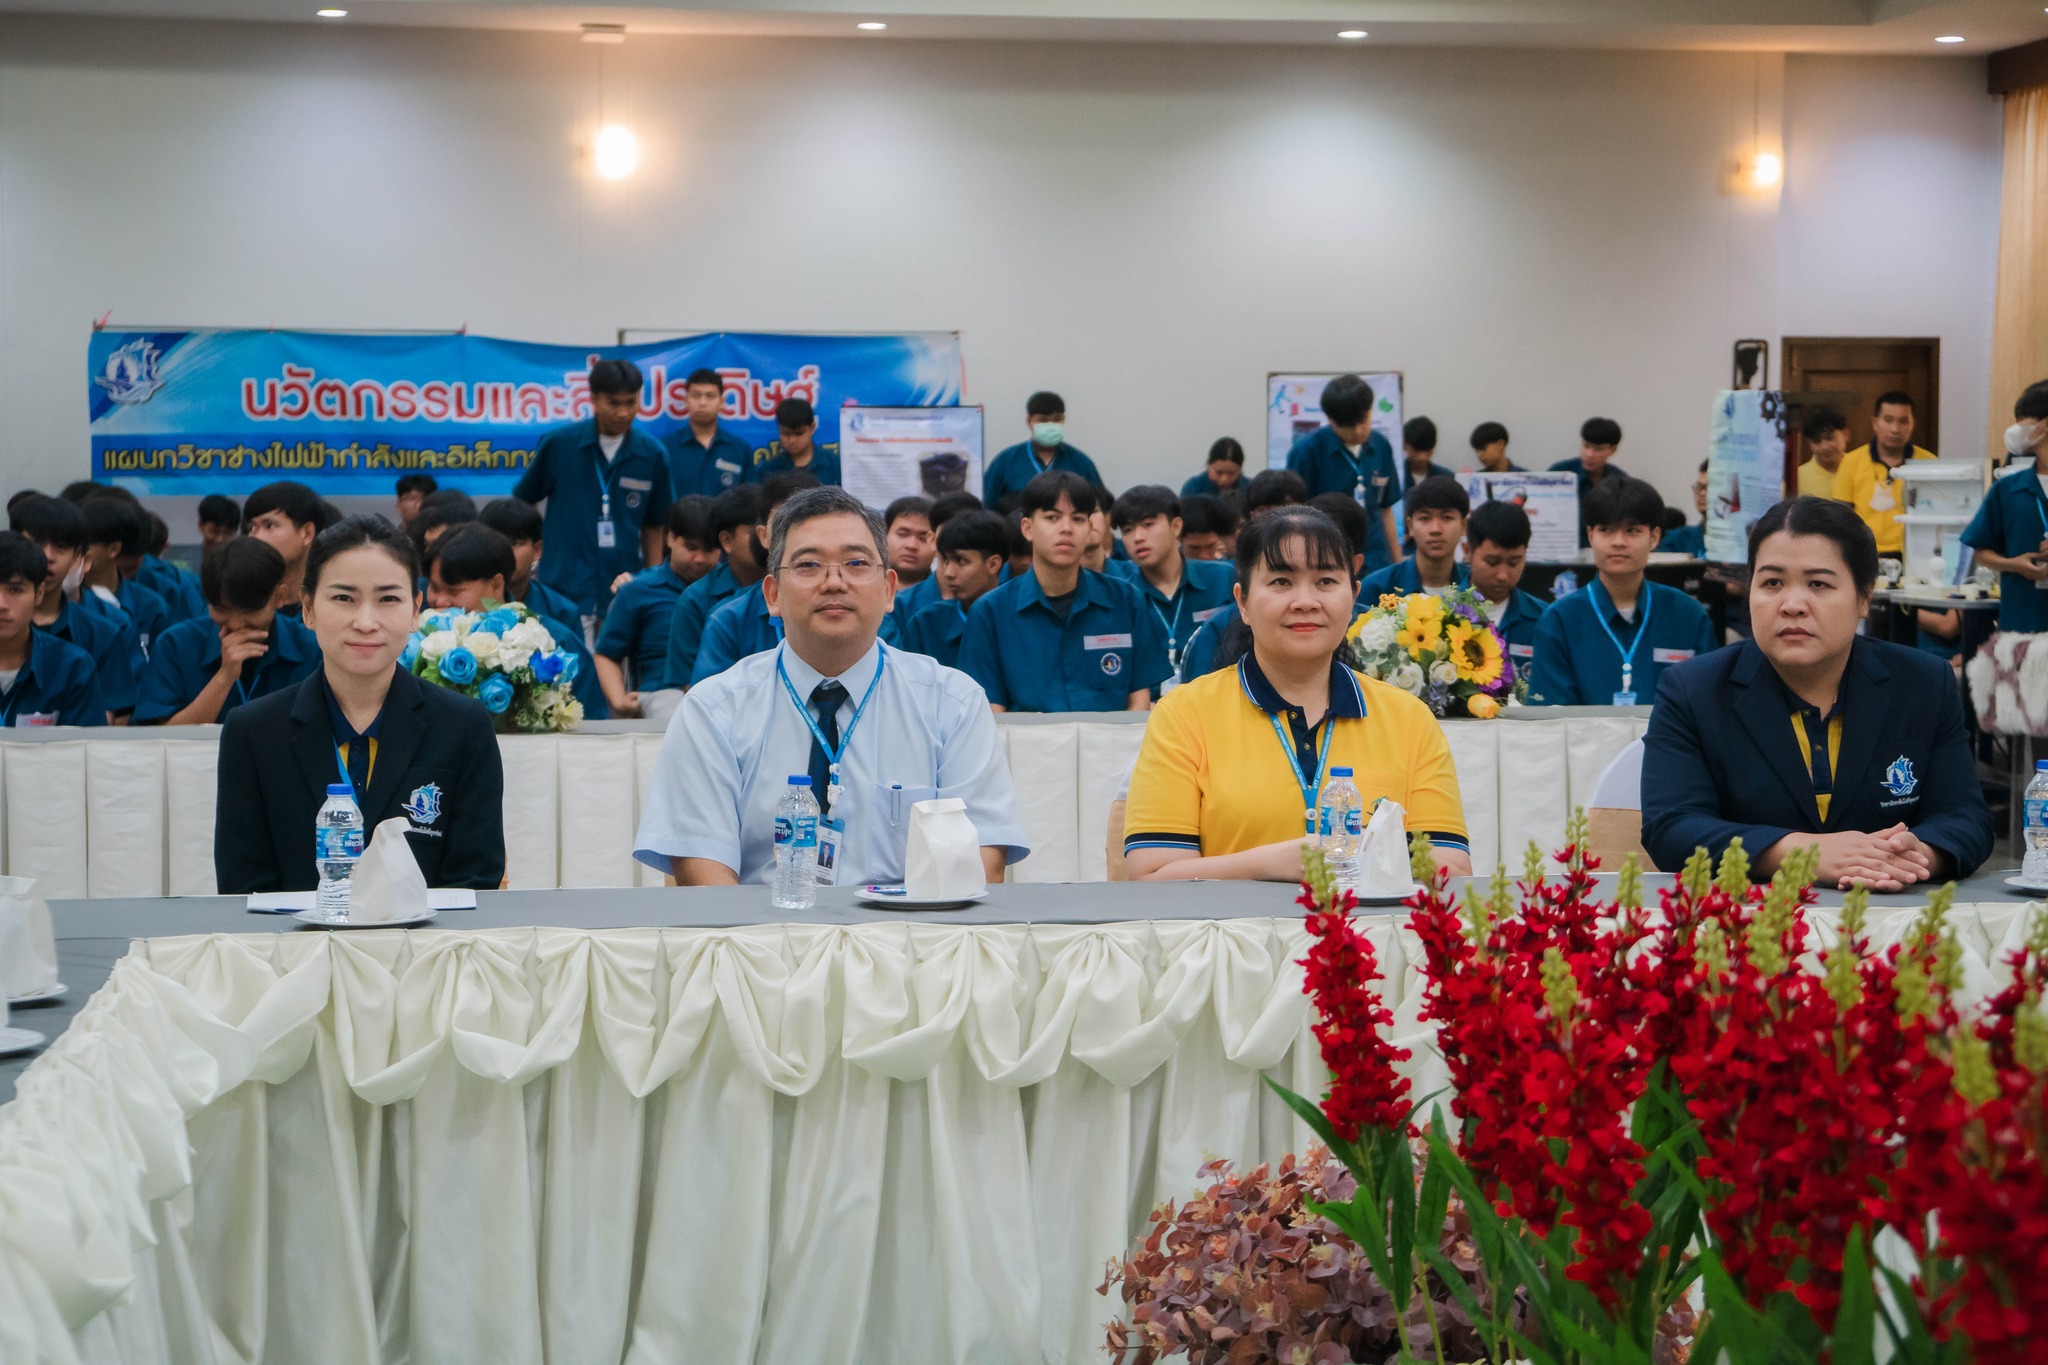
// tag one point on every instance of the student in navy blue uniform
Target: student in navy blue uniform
(1490, 450)
(1271, 488)
(403, 746)
(1496, 552)
(1609, 642)
(441, 511)
(244, 648)
(796, 449)
(743, 624)
(522, 524)
(1418, 454)
(1223, 473)
(974, 550)
(1063, 638)
(1689, 537)
(1436, 508)
(636, 628)
(1599, 438)
(607, 486)
(69, 611)
(734, 514)
(220, 520)
(2010, 531)
(1182, 593)
(703, 457)
(1047, 450)
(468, 568)
(177, 585)
(286, 516)
(1808, 733)
(1347, 456)
(409, 493)
(1208, 527)
(909, 544)
(115, 529)
(43, 680)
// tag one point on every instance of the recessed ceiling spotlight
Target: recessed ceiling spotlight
(871, 26)
(330, 13)
(1352, 33)
(1949, 38)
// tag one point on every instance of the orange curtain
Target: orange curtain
(2019, 336)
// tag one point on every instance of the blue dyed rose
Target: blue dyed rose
(495, 694)
(458, 666)
(547, 667)
(411, 655)
(499, 621)
(571, 666)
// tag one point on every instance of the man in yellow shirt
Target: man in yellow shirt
(1866, 478)
(1827, 433)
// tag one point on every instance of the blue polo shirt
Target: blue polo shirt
(824, 466)
(107, 636)
(694, 467)
(543, 600)
(1327, 467)
(570, 475)
(1198, 656)
(1690, 539)
(57, 685)
(1578, 662)
(637, 625)
(148, 611)
(1202, 483)
(1205, 590)
(936, 631)
(1516, 621)
(2013, 521)
(1577, 467)
(915, 598)
(1403, 578)
(686, 623)
(1011, 469)
(188, 655)
(179, 589)
(586, 686)
(1027, 658)
(737, 627)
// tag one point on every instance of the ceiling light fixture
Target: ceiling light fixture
(608, 34)
(1352, 33)
(330, 13)
(617, 151)
(1949, 38)
(871, 26)
(1766, 170)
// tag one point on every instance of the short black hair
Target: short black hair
(1822, 517)
(1438, 493)
(78, 490)
(1823, 422)
(1344, 510)
(22, 558)
(950, 505)
(352, 533)
(49, 521)
(1673, 519)
(444, 507)
(689, 519)
(1623, 502)
(1275, 488)
(241, 574)
(977, 532)
(1419, 433)
(472, 553)
(512, 519)
(794, 414)
(1226, 449)
(1501, 523)
(1136, 505)
(1045, 403)
(1600, 431)
(2032, 404)
(1892, 398)
(615, 376)
(737, 508)
(780, 488)
(1265, 542)
(1045, 490)
(300, 504)
(421, 484)
(159, 538)
(704, 374)
(110, 521)
(1486, 433)
(912, 506)
(21, 495)
(1205, 514)
(1347, 401)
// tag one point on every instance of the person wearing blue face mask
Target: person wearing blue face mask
(1047, 450)
(2010, 531)
(1347, 456)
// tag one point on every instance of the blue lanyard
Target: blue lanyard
(1172, 628)
(1628, 669)
(833, 752)
(604, 477)
(341, 766)
(1357, 464)
(1309, 787)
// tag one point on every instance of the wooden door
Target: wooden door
(1866, 367)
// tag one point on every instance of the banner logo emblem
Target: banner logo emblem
(130, 374)
(424, 805)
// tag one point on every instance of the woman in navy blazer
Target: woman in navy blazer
(1894, 801)
(409, 748)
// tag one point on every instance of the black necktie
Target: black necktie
(825, 699)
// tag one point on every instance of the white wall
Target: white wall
(1531, 236)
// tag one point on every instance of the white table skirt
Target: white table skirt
(883, 1143)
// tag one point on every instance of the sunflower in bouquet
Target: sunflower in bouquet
(1442, 649)
(506, 658)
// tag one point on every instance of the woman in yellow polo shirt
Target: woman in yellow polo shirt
(1232, 761)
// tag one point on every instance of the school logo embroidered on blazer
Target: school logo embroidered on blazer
(1899, 779)
(424, 805)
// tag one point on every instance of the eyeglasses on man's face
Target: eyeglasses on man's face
(857, 570)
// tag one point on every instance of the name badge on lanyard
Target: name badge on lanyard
(1627, 695)
(607, 534)
(832, 828)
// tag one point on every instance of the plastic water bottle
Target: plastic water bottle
(796, 846)
(2035, 866)
(337, 844)
(1340, 828)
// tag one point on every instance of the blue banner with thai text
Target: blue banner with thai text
(227, 411)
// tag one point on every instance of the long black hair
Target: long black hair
(1270, 540)
(352, 533)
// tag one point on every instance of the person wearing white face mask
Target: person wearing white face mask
(2010, 531)
(1047, 450)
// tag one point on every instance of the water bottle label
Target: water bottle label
(798, 832)
(335, 843)
(1354, 825)
(2037, 812)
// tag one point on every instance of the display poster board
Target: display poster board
(1745, 468)
(891, 453)
(1294, 408)
(1550, 498)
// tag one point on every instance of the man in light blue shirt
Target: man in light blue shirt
(877, 729)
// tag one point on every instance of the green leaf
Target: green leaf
(1856, 1319)
(1398, 1177)
(1310, 1113)
(1454, 1281)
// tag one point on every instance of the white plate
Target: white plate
(2022, 884)
(291, 902)
(893, 898)
(1389, 900)
(320, 921)
(47, 993)
(13, 1040)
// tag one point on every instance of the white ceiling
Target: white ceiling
(1847, 26)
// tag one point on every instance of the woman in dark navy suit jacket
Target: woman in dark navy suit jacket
(1876, 768)
(409, 748)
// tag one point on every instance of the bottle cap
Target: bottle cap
(799, 779)
(2041, 765)
(1340, 772)
(340, 789)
